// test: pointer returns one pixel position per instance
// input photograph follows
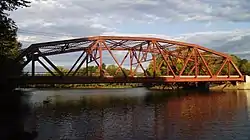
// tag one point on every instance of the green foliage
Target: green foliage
(111, 69)
(9, 46)
(8, 43)
(103, 66)
(244, 66)
(151, 69)
(92, 71)
(163, 67)
(10, 5)
(62, 69)
(177, 64)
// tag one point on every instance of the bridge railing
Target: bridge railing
(68, 74)
(95, 75)
(56, 74)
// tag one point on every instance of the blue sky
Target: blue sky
(215, 24)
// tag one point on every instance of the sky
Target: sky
(218, 24)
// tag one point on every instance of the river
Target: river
(137, 114)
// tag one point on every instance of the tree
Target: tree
(9, 46)
(111, 69)
(103, 66)
(10, 5)
(244, 66)
(62, 69)
(150, 69)
(177, 64)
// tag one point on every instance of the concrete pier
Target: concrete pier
(234, 86)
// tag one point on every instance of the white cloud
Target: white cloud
(235, 41)
(93, 17)
(136, 35)
(109, 12)
(48, 20)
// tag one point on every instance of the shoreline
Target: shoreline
(219, 87)
(83, 87)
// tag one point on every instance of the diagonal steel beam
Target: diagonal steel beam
(165, 60)
(79, 66)
(186, 62)
(79, 58)
(123, 60)
(218, 72)
(204, 62)
(139, 62)
(45, 67)
(235, 67)
(105, 45)
(51, 64)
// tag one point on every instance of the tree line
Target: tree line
(110, 70)
(242, 64)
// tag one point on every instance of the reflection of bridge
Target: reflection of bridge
(174, 61)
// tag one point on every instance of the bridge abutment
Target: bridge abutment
(235, 85)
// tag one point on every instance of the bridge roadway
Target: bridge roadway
(111, 79)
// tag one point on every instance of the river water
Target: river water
(138, 114)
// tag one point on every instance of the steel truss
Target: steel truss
(171, 61)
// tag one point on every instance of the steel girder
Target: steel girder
(166, 58)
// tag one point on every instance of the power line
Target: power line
(47, 34)
(50, 36)
(23, 41)
(42, 34)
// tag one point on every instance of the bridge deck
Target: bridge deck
(110, 79)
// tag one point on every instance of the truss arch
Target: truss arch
(180, 60)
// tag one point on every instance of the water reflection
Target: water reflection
(204, 116)
(140, 114)
(14, 110)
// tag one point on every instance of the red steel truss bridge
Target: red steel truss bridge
(170, 61)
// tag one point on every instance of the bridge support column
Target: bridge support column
(234, 85)
(87, 64)
(33, 65)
